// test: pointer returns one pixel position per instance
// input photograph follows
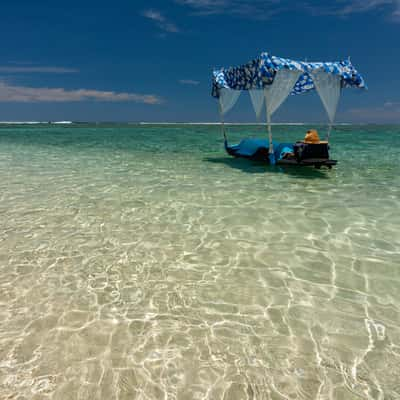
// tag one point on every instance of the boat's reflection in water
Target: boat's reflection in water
(260, 167)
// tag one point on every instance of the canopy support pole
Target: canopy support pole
(221, 116)
(269, 128)
(329, 132)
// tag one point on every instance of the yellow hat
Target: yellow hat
(311, 137)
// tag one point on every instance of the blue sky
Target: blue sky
(152, 60)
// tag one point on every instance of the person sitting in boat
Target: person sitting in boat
(312, 137)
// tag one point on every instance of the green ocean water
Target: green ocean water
(142, 262)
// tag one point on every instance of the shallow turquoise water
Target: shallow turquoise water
(142, 262)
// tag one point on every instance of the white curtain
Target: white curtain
(227, 99)
(257, 99)
(276, 93)
(328, 88)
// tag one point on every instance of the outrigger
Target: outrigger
(270, 80)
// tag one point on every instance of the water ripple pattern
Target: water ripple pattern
(141, 262)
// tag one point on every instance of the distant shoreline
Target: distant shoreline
(179, 123)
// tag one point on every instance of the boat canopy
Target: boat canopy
(261, 72)
(272, 79)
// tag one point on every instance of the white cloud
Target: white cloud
(161, 21)
(263, 9)
(38, 69)
(396, 13)
(389, 112)
(390, 104)
(361, 6)
(11, 93)
(189, 82)
(254, 8)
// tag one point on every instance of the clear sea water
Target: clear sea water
(141, 262)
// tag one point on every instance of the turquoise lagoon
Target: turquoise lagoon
(141, 262)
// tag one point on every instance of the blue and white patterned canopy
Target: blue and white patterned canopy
(261, 71)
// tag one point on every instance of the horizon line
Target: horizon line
(66, 122)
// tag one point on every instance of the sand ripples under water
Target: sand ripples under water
(143, 263)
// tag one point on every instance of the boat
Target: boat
(269, 81)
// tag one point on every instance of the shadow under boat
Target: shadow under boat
(260, 167)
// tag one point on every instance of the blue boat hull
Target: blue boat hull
(303, 155)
